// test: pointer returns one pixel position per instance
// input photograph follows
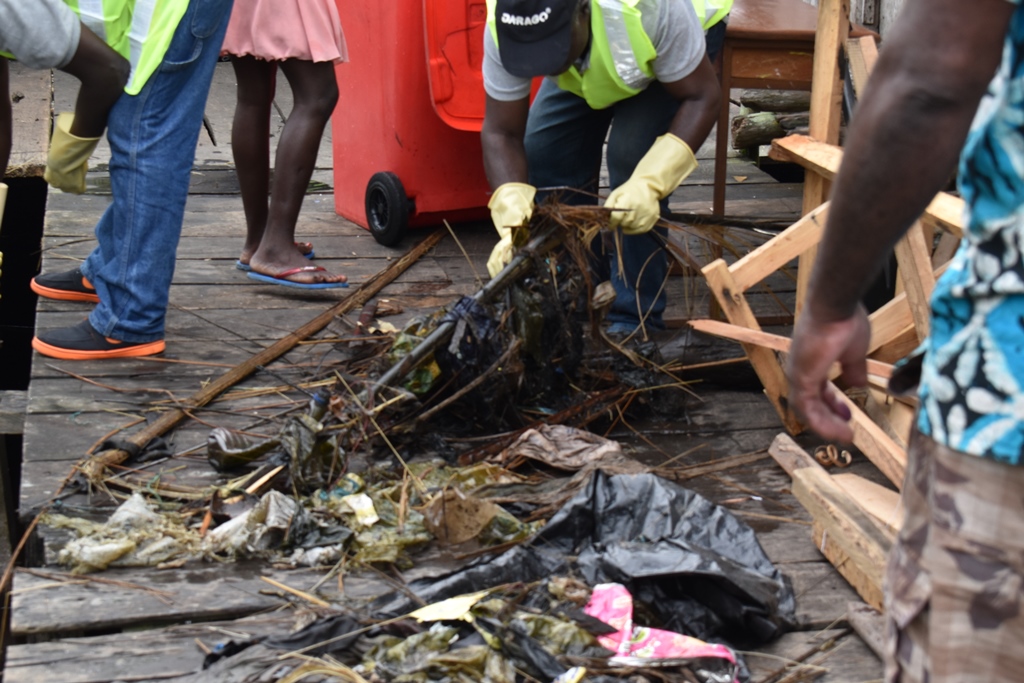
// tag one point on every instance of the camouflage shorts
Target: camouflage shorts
(954, 582)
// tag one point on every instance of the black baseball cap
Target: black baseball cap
(534, 36)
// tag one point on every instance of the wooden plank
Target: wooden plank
(883, 504)
(825, 656)
(44, 606)
(775, 342)
(869, 624)
(861, 55)
(153, 654)
(891, 320)
(13, 405)
(872, 440)
(945, 210)
(831, 34)
(31, 93)
(780, 250)
(849, 537)
(946, 248)
(790, 455)
(865, 583)
(913, 255)
(732, 301)
(827, 90)
(821, 158)
(872, 402)
(821, 591)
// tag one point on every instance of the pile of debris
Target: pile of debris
(460, 437)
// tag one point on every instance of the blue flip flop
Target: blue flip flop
(281, 279)
(245, 267)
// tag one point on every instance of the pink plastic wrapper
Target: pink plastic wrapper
(613, 604)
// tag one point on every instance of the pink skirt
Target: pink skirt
(276, 30)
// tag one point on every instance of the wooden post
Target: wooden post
(826, 114)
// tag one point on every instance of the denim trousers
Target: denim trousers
(153, 139)
(565, 140)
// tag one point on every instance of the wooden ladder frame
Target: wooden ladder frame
(898, 326)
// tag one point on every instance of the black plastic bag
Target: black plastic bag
(693, 564)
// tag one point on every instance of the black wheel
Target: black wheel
(387, 208)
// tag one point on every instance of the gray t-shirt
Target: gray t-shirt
(41, 34)
(672, 26)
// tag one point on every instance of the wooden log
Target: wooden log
(851, 540)
(776, 100)
(755, 129)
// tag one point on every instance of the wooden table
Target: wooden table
(769, 44)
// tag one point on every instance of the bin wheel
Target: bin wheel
(387, 208)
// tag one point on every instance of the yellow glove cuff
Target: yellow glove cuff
(68, 158)
(666, 165)
(659, 172)
(511, 206)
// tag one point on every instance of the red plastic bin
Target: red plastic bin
(406, 133)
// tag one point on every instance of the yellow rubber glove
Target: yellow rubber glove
(68, 159)
(666, 164)
(511, 207)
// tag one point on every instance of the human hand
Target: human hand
(816, 346)
(511, 207)
(68, 158)
(666, 164)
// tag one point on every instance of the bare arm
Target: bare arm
(901, 149)
(700, 96)
(103, 74)
(502, 138)
(905, 139)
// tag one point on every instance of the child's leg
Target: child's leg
(314, 94)
(250, 144)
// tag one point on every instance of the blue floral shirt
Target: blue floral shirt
(972, 380)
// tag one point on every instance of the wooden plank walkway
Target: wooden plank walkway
(141, 625)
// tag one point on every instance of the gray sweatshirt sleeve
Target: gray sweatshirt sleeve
(41, 34)
(678, 38)
(498, 83)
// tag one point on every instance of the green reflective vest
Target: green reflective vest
(139, 30)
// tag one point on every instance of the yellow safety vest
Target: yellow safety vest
(621, 54)
(710, 12)
(139, 30)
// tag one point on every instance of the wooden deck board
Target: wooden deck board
(88, 632)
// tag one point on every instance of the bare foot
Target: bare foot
(274, 264)
(304, 248)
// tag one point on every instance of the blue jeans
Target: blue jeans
(153, 139)
(564, 145)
